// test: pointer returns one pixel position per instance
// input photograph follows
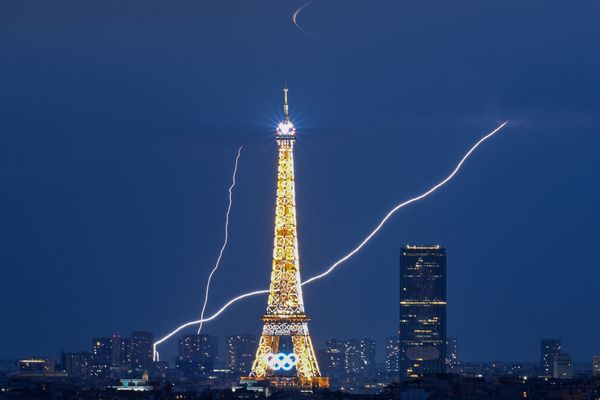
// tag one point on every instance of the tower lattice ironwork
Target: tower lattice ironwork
(285, 315)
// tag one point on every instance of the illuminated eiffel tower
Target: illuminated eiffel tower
(285, 318)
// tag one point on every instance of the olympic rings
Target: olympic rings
(281, 361)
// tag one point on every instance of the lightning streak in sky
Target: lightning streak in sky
(407, 202)
(237, 158)
(215, 315)
(297, 12)
(358, 248)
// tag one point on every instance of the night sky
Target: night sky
(120, 121)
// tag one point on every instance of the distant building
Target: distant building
(392, 355)
(113, 351)
(241, 350)
(563, 368)
(121, 351)
(35, 365)
(141, 349)
(198, 353)
(77, 364)
(332, 358)
(596, 366)
(452, 362)
(422, 310)
(161, 367)
(359, 356)
(101, 357)
(549, 348)
(102, 351)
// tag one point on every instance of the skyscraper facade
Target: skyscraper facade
(102, 351)
(77, 364)
(422, 310)
(549, 348)
(392, 355)
(333, 358)
(359, 356)
(120, 351)
(101, 357)
(115, 351)
(563, 368)
(241, 350)
(198, 353)
(141, 349)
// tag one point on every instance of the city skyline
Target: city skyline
(203, 354)
(117, 145)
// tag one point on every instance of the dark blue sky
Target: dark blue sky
(119, 122)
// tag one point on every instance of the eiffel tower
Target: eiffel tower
(285, 319)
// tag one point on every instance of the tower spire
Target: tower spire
(286, 110)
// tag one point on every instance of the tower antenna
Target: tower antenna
(286, 110)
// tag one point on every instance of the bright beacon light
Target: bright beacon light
(286, 129)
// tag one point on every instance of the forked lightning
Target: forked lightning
(237, 159)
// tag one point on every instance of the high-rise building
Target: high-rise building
(563, 368)
(332, 358)
(120, 351)
(359, 356)
(392, 355)
(101, 357)
(111, 351)
(422, 310)
(77, 364)
(141, 349)
(549, 348)
(241, 350)
(198, 353)
(452, 362)
(102, 351)
(596, 366)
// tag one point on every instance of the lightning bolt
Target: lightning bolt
(402, 205)
(237, 158)
(297, 12)
(356, 249)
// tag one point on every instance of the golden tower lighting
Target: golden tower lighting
(285, 316)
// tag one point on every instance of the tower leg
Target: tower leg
(268, 344)
(307, 367)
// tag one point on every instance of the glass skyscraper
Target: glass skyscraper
(392, 355)
(422, 310)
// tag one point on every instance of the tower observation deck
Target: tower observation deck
(285, 318)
